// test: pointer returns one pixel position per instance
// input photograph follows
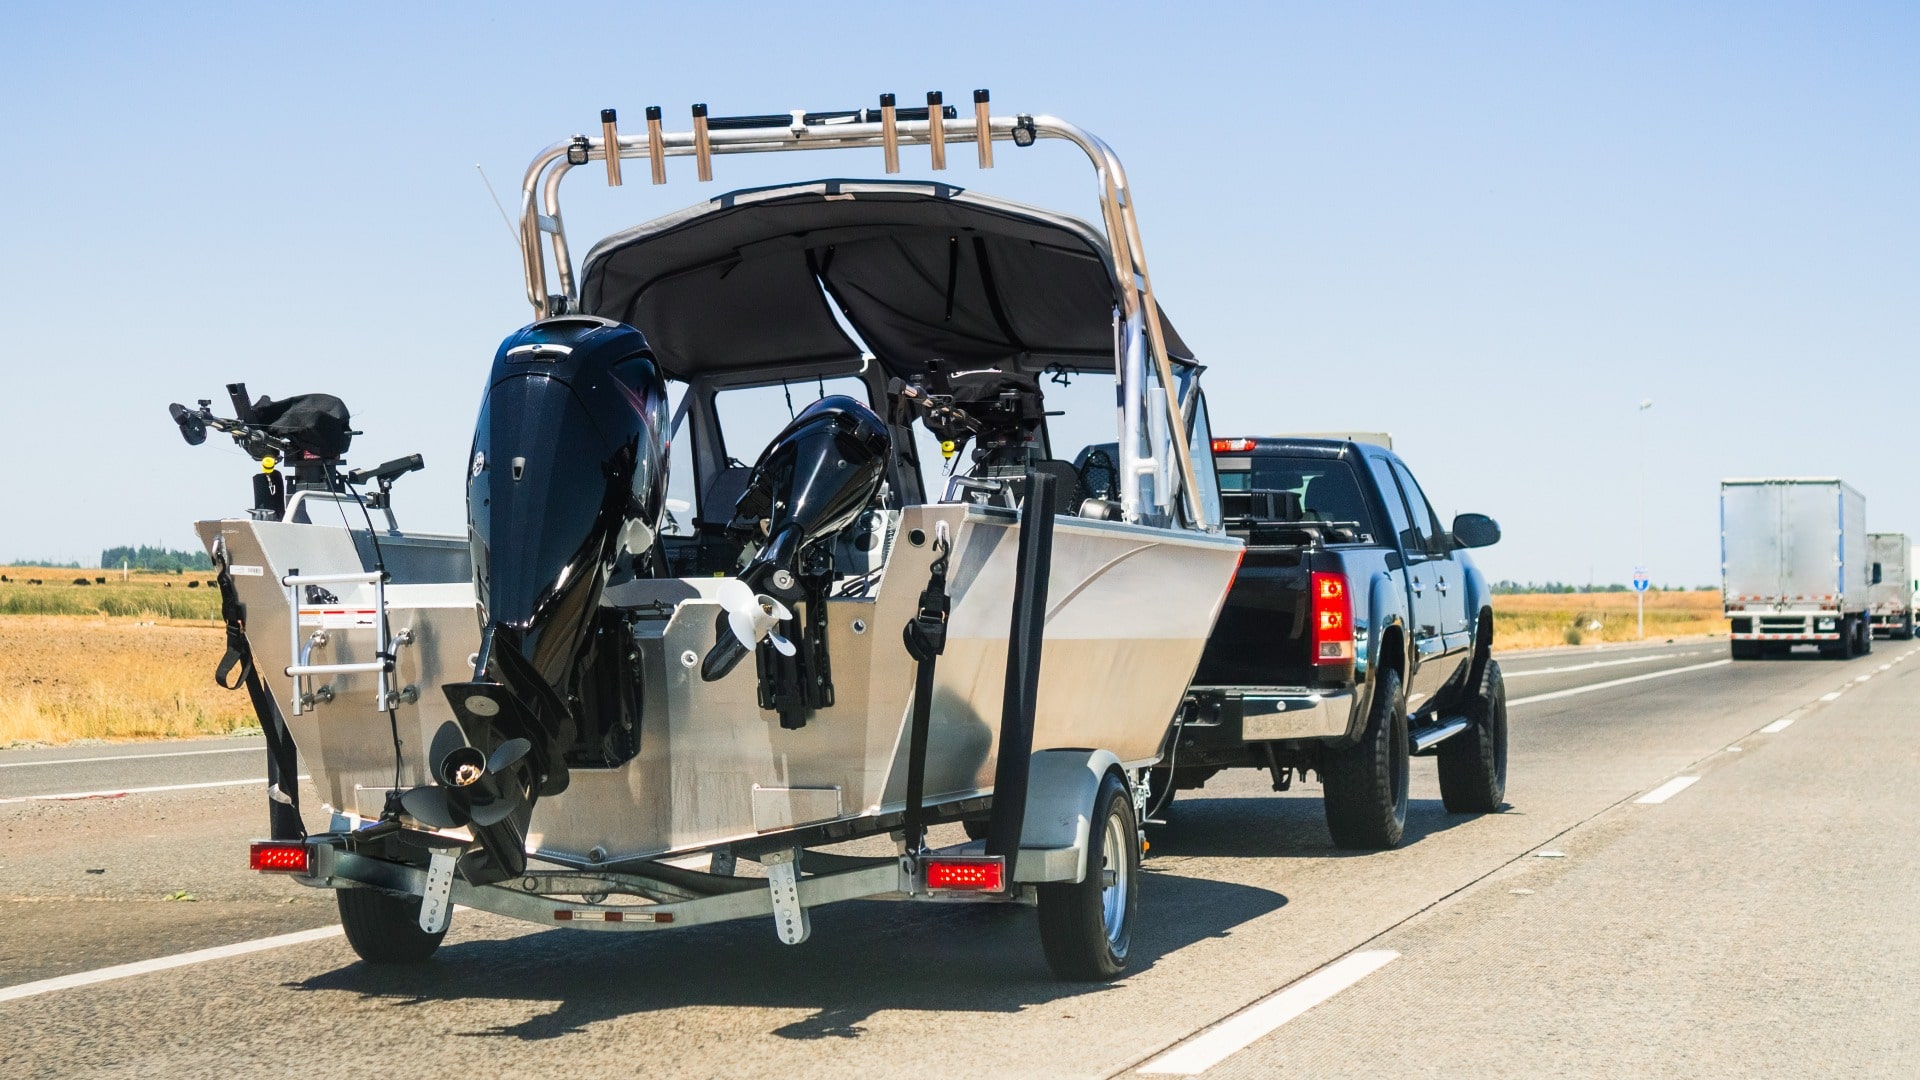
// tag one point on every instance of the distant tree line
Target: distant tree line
(1505, 586)
(146, 557)
(48, 563)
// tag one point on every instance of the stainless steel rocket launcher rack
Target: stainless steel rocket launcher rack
(1139, 329)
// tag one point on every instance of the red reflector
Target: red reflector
(277, 858)
(1228, 446)
(1332, 618)
(662, 916)
(966, 875)
(563, 915)
(616, 916)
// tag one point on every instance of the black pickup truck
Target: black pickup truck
(1356, 634)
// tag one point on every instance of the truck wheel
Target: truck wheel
(1086, 927)
(1866, 636)
(1473, 764)
(1366, 783)
(1749, 650)
(385, 929)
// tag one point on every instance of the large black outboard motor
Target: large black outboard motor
(567, 482)
(810, 483)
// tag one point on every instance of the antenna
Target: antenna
(512, 233)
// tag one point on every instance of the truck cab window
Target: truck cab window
(1433, 537)
(1410, 537)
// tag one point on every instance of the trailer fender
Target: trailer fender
(1061, 787)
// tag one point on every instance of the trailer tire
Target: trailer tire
(1366, 783)
(385, 929)
(1866, 635)
(1473, 764)
(1086, 927)
(1749, 650)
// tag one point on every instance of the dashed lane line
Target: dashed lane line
(1778, 726)
(1667, 790)
(1249, 1025)
(131, 757)
(1610, 683)
(143, 967)
(114, 793)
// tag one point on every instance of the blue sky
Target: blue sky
(1488, 229)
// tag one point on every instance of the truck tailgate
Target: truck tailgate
(1261, 637)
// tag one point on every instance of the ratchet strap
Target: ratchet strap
(926, 638)
(283, 765)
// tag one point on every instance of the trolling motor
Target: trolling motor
(811, 482)
(310, 431)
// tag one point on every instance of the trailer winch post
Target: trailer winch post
(1032, 564)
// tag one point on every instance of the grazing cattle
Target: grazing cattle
(81, 581)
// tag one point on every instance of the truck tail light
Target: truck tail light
(967, 874)
(1332, 618)
(1230, 446)
(277, 857)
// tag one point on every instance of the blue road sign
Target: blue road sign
(1640, 579)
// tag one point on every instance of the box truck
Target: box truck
(1794, 566)
(1890, 599)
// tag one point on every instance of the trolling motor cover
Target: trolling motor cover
(566, 482)
(810, 483)
(316, 424)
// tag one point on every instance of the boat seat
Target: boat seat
(723, 490)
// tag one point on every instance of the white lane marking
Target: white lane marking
(1505, 674)
(1778, 726)
(115, 792)
(1835, 696)
(1618, 682)
(1865, 677)
(1668, 790)
(1244, 1028)
(130, 757)
(164, 963)
(1886, 667)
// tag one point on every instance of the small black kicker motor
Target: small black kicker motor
(567, 480)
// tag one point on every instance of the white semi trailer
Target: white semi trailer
(1794, 566)
(1890, 601)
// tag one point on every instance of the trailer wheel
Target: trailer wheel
(1366, 783)
(1473, 764)
(383, 928)
(1086, 928)
(1866, 635)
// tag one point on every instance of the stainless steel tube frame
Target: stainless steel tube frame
(540, 215)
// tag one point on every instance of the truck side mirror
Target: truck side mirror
(1475, 530)
(1876, 573)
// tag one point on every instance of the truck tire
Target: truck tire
(385, 929)
(1473, 764)
(1749, 650)
(1366, 783)
(1086, 927)
(1866, 635)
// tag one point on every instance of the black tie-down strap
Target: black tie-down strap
(926, 638)
(283, 766)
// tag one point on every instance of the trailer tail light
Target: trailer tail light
(1231, 446)
(276, 857)
(980, 873)
(1332, 618)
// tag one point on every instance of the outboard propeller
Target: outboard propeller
(751, 618)
(484, 793)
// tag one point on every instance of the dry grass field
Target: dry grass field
(128, 659)
(1537, 620)
(134, 660)
(68, 677)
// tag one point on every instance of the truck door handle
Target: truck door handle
(1442, 586)
(1416, 587)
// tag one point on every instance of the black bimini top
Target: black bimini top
(921, 270)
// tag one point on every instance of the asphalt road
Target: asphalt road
(1759, 919)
